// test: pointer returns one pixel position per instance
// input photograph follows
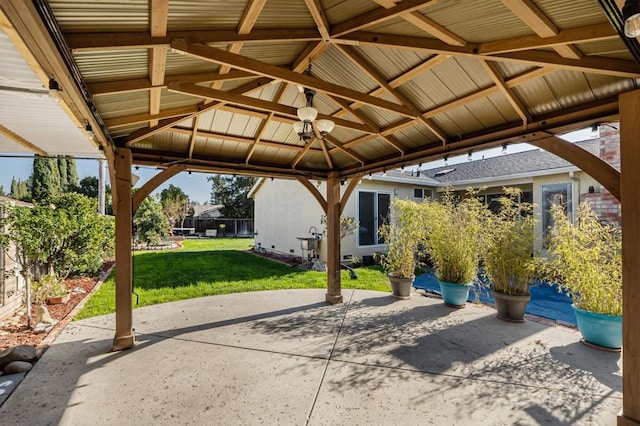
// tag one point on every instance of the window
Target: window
(421, 193)
(555, 194)
(373, 210)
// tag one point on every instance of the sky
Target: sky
(195, 185)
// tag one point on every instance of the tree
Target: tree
(149, 222)
(83, 238)
(348, 225)
(88, 186)
(45, 178)
(64, 232)
(72, 174)
(2, 191)
(53, 175)
(232, 192)
(20, 190)
(175, 204)
(22, 229)
(61, 162)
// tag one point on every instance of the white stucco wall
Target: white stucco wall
(284, 210)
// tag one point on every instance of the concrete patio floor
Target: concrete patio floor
(286, 357)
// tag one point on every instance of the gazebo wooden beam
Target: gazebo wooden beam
(535, 19)
(509, 133)
(630, 188)
(155, 182)
(100, 41)
(140, 84)
(199, 109)
(596, 65)
(378, 15)
(211, 54)
(584, 34)
(314, 191)
(591, 164)
(351, 186)
(124, 337)
(334, 287)
(266, 106)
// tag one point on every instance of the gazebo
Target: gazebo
(325, 90)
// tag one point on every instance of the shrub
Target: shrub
(455, 230)
(150, 223)
(508, 254)
(586, 260)
(403, 233)
(48, 286)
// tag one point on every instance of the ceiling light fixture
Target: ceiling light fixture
(307, 116)
(470, 156)
(504, 148)
(631, 17)
(54, 90)
(446, 160)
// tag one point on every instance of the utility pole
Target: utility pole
(102, 185)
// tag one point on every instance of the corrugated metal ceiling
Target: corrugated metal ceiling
(335, 76)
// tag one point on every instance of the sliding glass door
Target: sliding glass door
(373, 209)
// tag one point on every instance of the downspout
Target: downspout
(575, 195)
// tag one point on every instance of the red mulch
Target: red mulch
(20, 334)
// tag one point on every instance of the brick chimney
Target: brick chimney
(602, 202)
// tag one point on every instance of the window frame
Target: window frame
(376, 193)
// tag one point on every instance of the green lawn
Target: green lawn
(215, 266)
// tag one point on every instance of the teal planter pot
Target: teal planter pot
(455, 295)
(599, 329)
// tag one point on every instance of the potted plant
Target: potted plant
(586, 262)
(508, 263)
(454, 241)
(403, 234)
(50, 289)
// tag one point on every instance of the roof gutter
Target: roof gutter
(522, 177)
(404, 180)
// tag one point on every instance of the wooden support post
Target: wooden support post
(630, 191)
(124, 337)
(334, 294)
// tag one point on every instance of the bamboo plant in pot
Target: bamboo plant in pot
(454, 243)
(586, 262)
(404, 235)
(508, 262)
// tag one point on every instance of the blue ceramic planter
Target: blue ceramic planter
(454, 294)
(599, 329)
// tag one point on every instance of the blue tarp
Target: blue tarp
(546, 300)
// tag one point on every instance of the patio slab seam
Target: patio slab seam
(333, 348)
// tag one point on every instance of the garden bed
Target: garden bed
(14, 330)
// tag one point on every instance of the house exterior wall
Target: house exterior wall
(601, 201)
(284, 210)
